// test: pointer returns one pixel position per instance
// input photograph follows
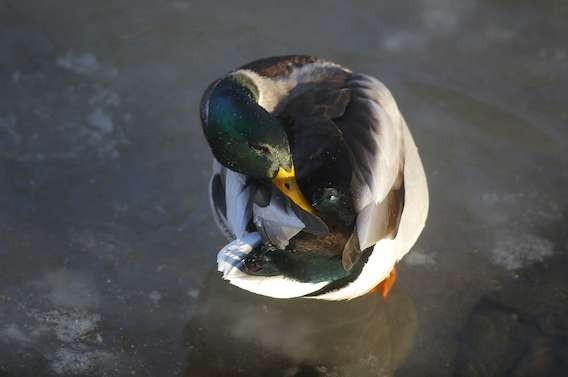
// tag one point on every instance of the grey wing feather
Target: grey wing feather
(230, 200)
(277, 221)
(372, 127)
(232, 204)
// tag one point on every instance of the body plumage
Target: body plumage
(316, 178)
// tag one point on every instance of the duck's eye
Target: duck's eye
(261, 149)
(331, 194)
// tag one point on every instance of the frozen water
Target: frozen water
(419, 258)
(107, 247)
(84, 63)
(520, 250)
(100, 120)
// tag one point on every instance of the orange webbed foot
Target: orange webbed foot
(385, 286)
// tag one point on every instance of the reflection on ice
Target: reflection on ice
(233, 332)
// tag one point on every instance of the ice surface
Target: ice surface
(82, 63)
(107, 246)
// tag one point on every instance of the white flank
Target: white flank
(377, 268)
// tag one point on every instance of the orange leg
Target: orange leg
(385, 286)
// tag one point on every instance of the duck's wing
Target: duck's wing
(235, 208)
(404, 202)
(366, 118)
(230, 199)
(372, 127)
(318, 149)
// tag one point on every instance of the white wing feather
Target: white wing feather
(236, 201)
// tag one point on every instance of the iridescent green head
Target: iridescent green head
(242, 135)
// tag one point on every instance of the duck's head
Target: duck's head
(246, 138)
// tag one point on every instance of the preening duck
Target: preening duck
(316, 179)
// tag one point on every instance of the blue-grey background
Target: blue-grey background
(107, 247)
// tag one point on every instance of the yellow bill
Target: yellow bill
(285, 181)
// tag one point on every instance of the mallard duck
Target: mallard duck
(316, 179)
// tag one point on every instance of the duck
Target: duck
(316, 183)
